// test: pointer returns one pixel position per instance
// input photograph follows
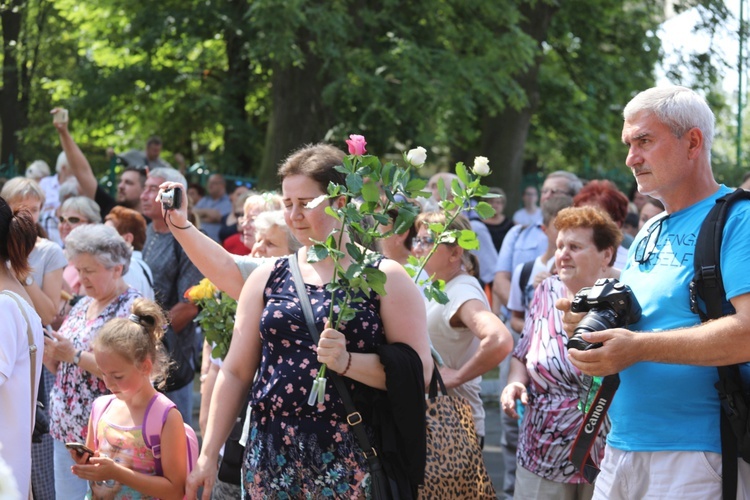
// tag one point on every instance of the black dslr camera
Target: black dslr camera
(609, 303)
(171, 198)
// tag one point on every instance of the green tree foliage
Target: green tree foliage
(534, 85)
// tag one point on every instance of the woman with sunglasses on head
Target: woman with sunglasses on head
(542, 378)
(296, 448)
(470, 339)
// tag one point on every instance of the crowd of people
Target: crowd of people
(98, 323)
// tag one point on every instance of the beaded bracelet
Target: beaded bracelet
(348, 365)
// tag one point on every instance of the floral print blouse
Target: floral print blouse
(76, 389)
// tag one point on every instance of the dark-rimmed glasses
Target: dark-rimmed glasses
(647, 245)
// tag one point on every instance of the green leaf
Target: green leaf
(484, 210)
(354, 183)
(442, 190)
(467, 240)
(330, 211)
(462, 173)
(316, 253)
(416, 184)
(354, 252)
(371, 192)
(376, 279)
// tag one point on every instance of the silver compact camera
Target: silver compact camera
(171, 199)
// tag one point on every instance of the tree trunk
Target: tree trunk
(237, 156)
(12, 116)
(298, 116)
(503, 138)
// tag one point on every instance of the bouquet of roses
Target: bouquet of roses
(216, 317)
(373, 189)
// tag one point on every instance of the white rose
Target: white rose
(317, 201)
(481, 166)
(417, 156)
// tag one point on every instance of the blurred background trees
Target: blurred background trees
(534, 85)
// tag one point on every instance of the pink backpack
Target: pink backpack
(153, 422)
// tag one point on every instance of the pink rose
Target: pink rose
(356, 144)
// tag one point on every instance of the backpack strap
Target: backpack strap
(97, 410)
(523, 280)
(707, 282)
(153, 422)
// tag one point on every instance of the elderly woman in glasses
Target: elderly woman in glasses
(74, 212)
(470, 339)
(541, 377)
(101, 256)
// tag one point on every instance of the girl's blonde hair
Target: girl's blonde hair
(138, 337)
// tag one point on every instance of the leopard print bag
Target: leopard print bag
(455, 466)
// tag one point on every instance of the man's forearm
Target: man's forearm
(181, 315)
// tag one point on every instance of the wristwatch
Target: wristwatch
(77, 357)
(28, 281)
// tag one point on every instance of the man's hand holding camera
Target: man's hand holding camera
(172, 199)
(597, 344)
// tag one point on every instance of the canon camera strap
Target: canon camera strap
(580, 455)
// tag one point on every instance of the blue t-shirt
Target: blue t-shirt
(667, 407)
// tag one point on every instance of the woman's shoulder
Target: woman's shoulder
(50, 255)
(19, 314)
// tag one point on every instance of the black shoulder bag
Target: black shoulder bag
(382, 487)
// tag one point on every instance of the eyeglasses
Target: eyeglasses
(647, 245)
(71, 220)
(239, 215)
(554, 192)
(246, 220)
(427, 240)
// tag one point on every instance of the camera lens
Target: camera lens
(595, 321)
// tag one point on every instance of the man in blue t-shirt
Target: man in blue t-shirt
(665, 437)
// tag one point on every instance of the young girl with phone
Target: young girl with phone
(129, 354)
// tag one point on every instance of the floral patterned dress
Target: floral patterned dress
(297, 450)
(76, 389)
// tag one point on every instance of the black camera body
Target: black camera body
(171, 198)
(609, 304)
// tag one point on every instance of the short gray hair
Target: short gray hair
(574, 183)
(85, 206)
(169, 175)
(679, 108)
(267, 220)
(68, 189)
(101, 242)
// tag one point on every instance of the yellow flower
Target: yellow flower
(203, 290)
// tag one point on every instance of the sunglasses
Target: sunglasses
(647, 245)
(71, 220)
(427, 240)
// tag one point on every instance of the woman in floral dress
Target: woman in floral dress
(542, 377)
(296, 450)
(101, 257)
